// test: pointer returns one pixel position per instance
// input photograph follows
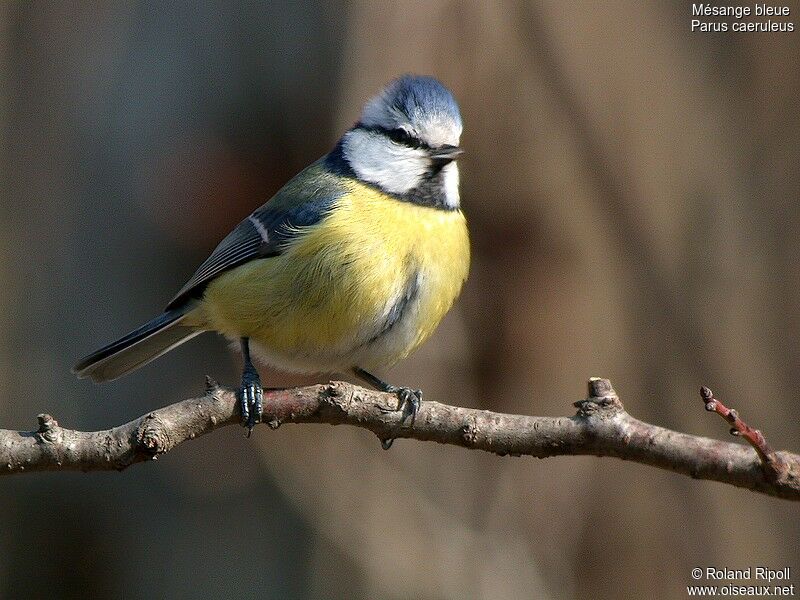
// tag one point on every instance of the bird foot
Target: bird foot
(251, 399)
(408, 401)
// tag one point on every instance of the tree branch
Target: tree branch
(601, 427)
(771, 462)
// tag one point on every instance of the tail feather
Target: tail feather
(138, 348)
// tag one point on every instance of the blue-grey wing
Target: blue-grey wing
(304, 201)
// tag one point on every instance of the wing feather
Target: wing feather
(304, 201)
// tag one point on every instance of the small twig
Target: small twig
(601, 427)
(771, 462)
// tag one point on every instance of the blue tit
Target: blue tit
(348, 268)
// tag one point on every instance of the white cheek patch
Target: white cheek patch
(375, 158)
(451, 196)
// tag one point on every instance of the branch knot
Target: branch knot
(338, 395)
(601, 400)
(152, 436)
(49, 431)
(469, 430)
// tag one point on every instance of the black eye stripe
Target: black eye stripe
(399, 136)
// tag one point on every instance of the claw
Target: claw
(251, 398)
(409, 403)
(244, 405)
(251, 394)
(408, 400)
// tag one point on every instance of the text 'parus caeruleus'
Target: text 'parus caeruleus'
(348, 268)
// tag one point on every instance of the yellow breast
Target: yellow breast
(332, 299)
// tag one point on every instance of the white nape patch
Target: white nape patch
(375, 158)
(450, 175)
(262, 231)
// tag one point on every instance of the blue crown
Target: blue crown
(419, 96)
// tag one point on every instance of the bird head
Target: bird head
(407, 138)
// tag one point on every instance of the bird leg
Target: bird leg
(251, 394)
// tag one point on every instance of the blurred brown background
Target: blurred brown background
(632, 189)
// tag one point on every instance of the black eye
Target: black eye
(401, 136)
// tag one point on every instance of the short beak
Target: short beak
(445, 154)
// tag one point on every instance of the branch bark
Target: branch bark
(601, 427)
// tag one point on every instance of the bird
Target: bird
(347, 269)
